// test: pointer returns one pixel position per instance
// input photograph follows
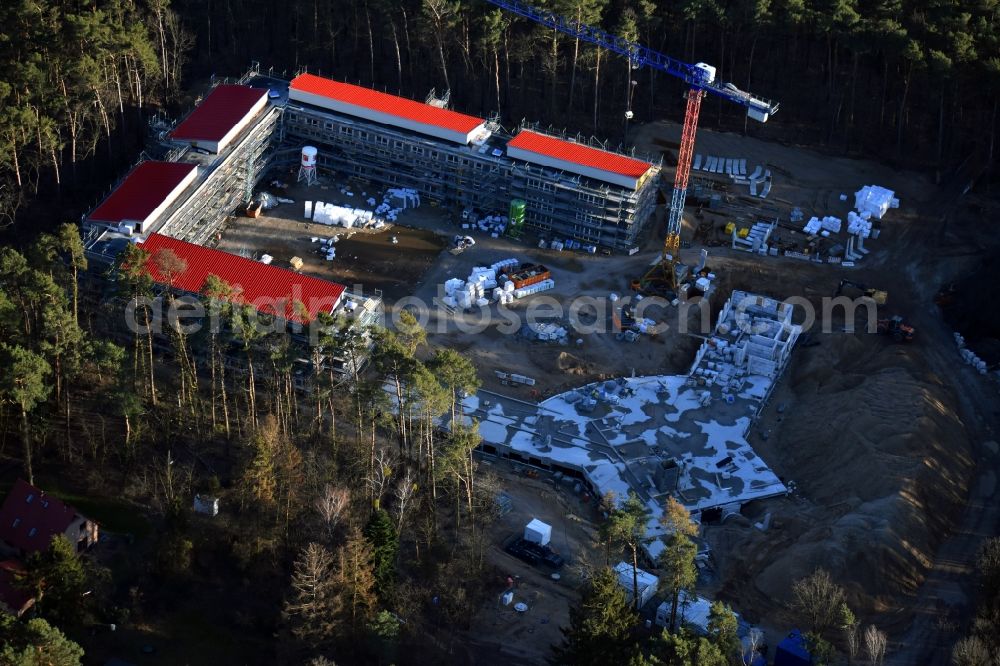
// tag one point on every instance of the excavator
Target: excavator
(896, 328)
(878, 295)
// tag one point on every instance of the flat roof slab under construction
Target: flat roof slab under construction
(664, 435)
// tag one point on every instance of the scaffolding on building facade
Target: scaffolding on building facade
(482, 177)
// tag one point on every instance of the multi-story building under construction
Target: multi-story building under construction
(571, 190)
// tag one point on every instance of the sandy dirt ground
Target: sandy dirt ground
(365, 257)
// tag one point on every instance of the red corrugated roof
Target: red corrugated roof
(142, 191)
(270, 289)
(578, 153)
(218, 113)
(30, 518)
(385, 103)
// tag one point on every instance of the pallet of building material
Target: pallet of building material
(697, 162)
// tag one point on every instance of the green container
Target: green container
(517, 208)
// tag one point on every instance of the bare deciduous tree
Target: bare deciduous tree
(853, 640)
(971, 651)
(313, 602)
(875, 642)
(378, 476)
(405, 490)
(330, 506)
(755, 639)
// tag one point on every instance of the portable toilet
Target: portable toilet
(538, 532)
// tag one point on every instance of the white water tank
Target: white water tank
(309, 156)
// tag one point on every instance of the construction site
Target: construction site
(676, 344)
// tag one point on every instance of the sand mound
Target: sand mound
(572, 365)
(881, 459)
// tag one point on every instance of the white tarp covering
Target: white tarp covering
(874, 200)
(538, 532)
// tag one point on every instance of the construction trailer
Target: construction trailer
(628, 576)
(570, 189)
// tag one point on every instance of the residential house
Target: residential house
(30, 518)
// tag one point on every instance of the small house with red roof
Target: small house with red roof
(30, 518)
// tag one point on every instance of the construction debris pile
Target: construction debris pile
(545, 331)
(505, 281)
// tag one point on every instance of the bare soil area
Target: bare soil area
(365, 257)
(501, 634)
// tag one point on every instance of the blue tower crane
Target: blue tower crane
(701, 77)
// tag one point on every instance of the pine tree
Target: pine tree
(626, 525)
(381, 534)
(685, 649)
(23, 374)
(677, 558)
(722, 631)
(35, 643)
(600, 627)
(57, 579)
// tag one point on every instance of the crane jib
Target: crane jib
(642, 56)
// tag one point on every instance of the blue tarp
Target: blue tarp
(792, 651)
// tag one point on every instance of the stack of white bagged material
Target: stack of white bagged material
(813, 226)
(875, 200)
(858, 225)
(495, 225)
(504, 264)
(832, 224)
(482, 280)
(969, 356)
(486, 276)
